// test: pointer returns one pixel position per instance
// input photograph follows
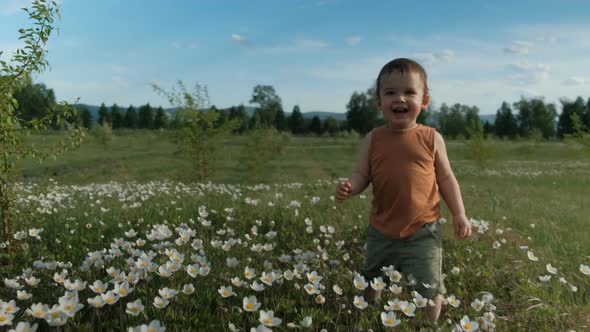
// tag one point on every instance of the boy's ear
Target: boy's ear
(425, 101)
(378, 102)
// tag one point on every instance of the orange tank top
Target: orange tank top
(401, 170)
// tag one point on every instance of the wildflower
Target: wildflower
(192, 270)
(453, 301)
(388, 319)
(360, 302)
(288, 274)
(96, 302)
(154, 326)
(408, 308)
(25, 327)
(160, 303)
(393, 305)
(110, 297)
(249, 273)
(420, 301)
(268, 278)
(38, 310)
(395, 276)
(468, 325)
(226, 291)
(313, 277)
(9, 307)
(23, 295)
(320, 299)
(123, 289)
(98, 287)
(268, 319)
(164, 272)
(551, 269)
(167, 293)
(12, 283)
(477, 304)
(377, 284)
(311, 289)
(337, 289)
(251, 304)
(69, 306)
(395, 289)
(232, 262)
(256, 286)
(188, 289)
(306, 322)
(531, 256)
(585, 269)
(545, 278)
(134, 308)
(360, 282)
(5, 318)
(32, 281)
(455, 270)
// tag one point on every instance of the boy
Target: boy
(407, 164)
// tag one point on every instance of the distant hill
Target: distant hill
(250, 110)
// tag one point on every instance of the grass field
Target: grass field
(528, 199)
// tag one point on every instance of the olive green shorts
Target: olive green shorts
(417, 257)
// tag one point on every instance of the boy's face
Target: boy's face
(401, 98)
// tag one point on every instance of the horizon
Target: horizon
(314, 53)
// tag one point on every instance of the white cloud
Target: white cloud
(519, 47)
(237, 38)
(574, 80)
(429, 59)
(310, 43)
(526, 73)
(353, 40)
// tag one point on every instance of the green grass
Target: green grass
(525, 183)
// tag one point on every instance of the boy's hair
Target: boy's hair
(404, 66)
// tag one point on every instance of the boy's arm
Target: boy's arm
(449, 188)
(359, 180)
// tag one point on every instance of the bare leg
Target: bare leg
(434, 312)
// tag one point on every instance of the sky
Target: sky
(315, 53)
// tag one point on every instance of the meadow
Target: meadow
(118, 235)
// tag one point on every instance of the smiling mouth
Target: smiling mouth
(400, 110)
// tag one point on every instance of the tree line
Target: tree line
(526, 118)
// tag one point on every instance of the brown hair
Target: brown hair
(404, 66)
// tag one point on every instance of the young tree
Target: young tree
(34, 100)
(198, 138)
(239, 115)
(331, 126)
(362, 112)
(269, 103)
(505, 124)
(117, 117)
(24, 63)
(131, 118)
(161, 119)
(145, 118)
(85, 117)
(316, 125)
(296, 121)
(565, 124)
(103, 115)
(535, 115)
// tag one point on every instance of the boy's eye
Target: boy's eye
(410, 92)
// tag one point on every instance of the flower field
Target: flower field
(237, 257)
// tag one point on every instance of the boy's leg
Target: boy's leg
(378, 250)
(424, 262)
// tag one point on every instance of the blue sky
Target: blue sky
(315, 53)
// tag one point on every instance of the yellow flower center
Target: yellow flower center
(268, 321)
(68, 307)
(9, 309)
(249, 306)
(406, 310)
(110, 300)
(3, 318)
(389, 321)
(151, 329)
(39, 313)
(122, 292)
(468, 326)
(55, 314)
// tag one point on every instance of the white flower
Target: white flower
(408, 309)
(249, 273)
(377, 284)
(154, 326)
(393, 305)
(268, 319)
(545, 278)
(468, 325)
(160, 303)
(420, 301)
(551, 269)
(25, 327)
(360, 302)
(98, 287)
(320, 299)
(455, 270)
(9, 307)
(337, 289)
(311, 289)
(38, 310)
(250, 304)
(453, 301)
(23, 295)
(360, 282)
(226, 291)
(5, 318)
(395, 289)
(110, 297)
(313, 277)
(167, 293)
(96, 301)
(188, 289)
(134, 308)
(256, 286)
(306, 322)
(388, 319)
(585, 269)
(477, 304)
(531, 256)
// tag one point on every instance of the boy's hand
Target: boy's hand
(343, 191)
(462, 227)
